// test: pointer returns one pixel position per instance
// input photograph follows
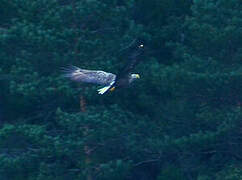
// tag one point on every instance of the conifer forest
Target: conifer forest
(181, 120)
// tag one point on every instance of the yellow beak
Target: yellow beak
(137, 76)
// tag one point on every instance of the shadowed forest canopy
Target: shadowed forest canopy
(182, 120)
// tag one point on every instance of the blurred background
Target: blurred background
(181, 121)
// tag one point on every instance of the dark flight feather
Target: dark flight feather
(136, 56)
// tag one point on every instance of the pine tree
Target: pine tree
(182, 120)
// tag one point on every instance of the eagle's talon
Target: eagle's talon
(112, 89)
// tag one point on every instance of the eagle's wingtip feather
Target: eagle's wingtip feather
(69, 71)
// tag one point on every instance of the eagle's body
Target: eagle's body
(109, 80)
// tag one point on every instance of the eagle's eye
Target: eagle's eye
(141, 45)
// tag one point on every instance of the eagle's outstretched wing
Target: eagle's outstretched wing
(89, 76)
(133, 60)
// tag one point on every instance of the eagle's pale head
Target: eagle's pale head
(133, 77)
(141, 46)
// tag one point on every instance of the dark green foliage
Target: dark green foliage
(181, 120)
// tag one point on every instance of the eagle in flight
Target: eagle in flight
(109, 80)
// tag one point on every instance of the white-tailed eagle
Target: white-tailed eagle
(110, 81)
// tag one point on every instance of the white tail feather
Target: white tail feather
(105, 89)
